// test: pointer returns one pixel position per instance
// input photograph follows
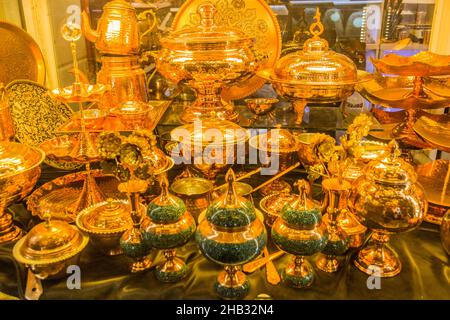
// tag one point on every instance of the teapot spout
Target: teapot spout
(90, 34)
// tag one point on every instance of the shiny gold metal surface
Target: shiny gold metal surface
(207, 57)
(60, 197)
(272, 204)
(261, 106)
(133, 114)
(252, 17)
(221, 138)
(125, 77)
(49, 248)
(195, 192)
(19, 172)
(254, 265)
(105, 222)
(6, 122)
(272, 275)
(36, 115)
(435, 133)
(20, 56)
(388, 200)
(72, 149)
(445, 232)
(117, 29)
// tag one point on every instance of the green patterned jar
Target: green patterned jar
(231, 235)
(299, 231)
(168, 225)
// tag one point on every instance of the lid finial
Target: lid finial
(316, 27)
(207, 11)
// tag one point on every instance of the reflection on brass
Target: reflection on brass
(277, 176)
(206, 58)
(261, 262)
(316, 74)
(19, 172)
(434, 176)
(252, 17)
(445, 232)
(105, 222)
(261, 106)
(50, 248)
(6, 123)
(305, 154)
(388, 200)
(272, 275)
(272, 204)
(20, 56)
(435, 133)
(117, 29)
(133, 114)
(70, 148)
(370, 150)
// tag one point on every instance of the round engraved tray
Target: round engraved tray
(59, 196)
(432, 176)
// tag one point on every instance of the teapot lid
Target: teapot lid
(390, 168)
(231, 210)
(207, 35)
(50, 242)
(110, 216)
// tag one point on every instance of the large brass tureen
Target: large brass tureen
(207, 57)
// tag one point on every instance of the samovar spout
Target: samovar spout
(89, 33)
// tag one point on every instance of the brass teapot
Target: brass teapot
(117, 29)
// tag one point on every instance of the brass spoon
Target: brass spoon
(272, 275)
(256, 264)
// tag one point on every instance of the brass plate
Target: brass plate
(20, 56)
(432, 177)
(58, 196)
(435, 133)
(36, 115)
(253, 17)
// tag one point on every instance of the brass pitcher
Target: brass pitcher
(117, 30)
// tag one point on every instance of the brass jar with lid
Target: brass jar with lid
(49, 248)
(387, 199)
(207, 57)
(315, 74)
(105, 222)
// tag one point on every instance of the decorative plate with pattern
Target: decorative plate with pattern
(253, 17)
(36, 115)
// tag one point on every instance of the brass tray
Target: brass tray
(58, 197)
(437, 134)
(253, 17)
(36, 116)
(432, 176)
(20, 56)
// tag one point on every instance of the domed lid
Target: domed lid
(49, 242)
(390, 169)
(231, 210)
(316, 64)
(301, 213)
(276, 140)
(207, 35)
(210, 133)
(166, 208)
(110, 216)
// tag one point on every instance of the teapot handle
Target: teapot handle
(146, 15)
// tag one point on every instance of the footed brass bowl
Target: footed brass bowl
(261, 106)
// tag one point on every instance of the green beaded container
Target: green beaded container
(231, 235)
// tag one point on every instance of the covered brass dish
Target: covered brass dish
(49, 248)
(105, 222)
(388, 200)
(206, 58)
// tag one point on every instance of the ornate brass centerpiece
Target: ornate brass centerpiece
(19, 172)
(299, 231)
(279, 145)
(316, 74)
(168, 226)
(209, 146)
(231, 235)
(207, 57)
(387, 199)
(407, 90)
(47, 251)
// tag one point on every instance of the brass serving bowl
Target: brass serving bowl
(19, 172)
(272, 205)
(105, 222)
(195, 192)
(261, 106)
(304, 152)
(133, 114)
(49, 248)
